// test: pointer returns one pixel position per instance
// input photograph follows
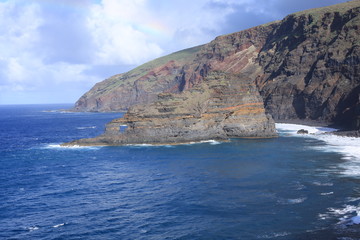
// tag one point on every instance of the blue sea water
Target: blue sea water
(284, 188)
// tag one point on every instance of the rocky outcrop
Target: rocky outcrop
(221, 107)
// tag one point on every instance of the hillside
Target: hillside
(138, 86)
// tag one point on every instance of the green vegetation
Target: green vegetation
(130, 77)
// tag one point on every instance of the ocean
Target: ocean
(290, 187)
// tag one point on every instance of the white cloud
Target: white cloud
(19, 25)
(24, 66)
(132, 32)
(115, 35)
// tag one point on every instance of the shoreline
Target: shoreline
(307, 122)
(340, 131)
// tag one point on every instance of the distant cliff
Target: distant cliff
(138, 86)
(304, 67)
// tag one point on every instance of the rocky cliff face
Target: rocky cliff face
(306, 66)
(310, 66)
(223, 106)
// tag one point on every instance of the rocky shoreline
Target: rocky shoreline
(313, 123)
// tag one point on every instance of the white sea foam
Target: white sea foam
(212, 142)
(350, 199)
(59, 225)
(141, 145)
(82, 128)
(328, 184)
(58, 146)
(291, 201)
(345, 210)
(33, 228)
(348, 147)
(344, 214)
(273, 235)
(327, 193)
(292, 129)
(59, 111)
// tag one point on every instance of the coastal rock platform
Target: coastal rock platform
(223, 106)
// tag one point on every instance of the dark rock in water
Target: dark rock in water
(303, 131)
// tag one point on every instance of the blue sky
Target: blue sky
(53, 51)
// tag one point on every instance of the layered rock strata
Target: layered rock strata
(221, 107)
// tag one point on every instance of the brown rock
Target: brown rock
(221, 107)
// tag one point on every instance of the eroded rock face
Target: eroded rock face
(311, 66)
(221, 107)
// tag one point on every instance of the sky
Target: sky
(53, 51)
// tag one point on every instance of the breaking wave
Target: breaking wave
(59, 147)
(348, 147)
(82, 128)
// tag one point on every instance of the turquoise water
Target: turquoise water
(283, 188)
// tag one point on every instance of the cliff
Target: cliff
(304, 67)
(221, 107)
(310, 66)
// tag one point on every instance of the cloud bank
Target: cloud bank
(55, 50)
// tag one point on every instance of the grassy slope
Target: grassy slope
(130, 77)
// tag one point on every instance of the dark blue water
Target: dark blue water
(245, 189)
